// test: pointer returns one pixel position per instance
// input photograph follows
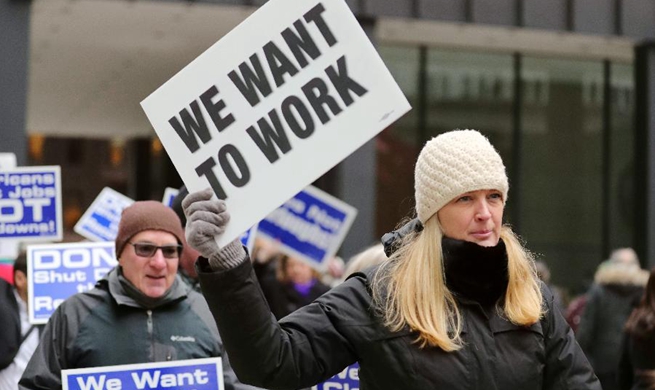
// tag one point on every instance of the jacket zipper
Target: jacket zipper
(169, 357)
(151, 336)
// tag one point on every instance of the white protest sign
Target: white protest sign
(310, 226)
(7, 161)
(30, 204)
(196, 374)
(273, 105)
(57, 271)
(100, 221)
(169, 195)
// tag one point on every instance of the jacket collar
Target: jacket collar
(474, 272)
(125, 293)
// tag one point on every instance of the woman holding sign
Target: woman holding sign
(457, 305)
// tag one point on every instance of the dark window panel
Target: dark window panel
(593, 16)
(548, 15)
(446, 10)
(561, 166)
(230, 2)
(639, 18)
(390, 8)
(397, 147)
(354, 5)
(501, 12)
(622, 157)
(644, 68)
(14, 30)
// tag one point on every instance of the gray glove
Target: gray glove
(206, 219)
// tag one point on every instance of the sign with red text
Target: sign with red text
(273, 105)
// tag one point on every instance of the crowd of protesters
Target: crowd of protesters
(451, 299)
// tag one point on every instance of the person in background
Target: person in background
(618, 286)
(637, 364)
(458, 305)
(141, 312)
(574, 311)
(18, 338)
(372, 256)
(333, 273)
(298, 285)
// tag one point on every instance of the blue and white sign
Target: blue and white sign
(197, 374)
(248, 238)
(309, 226)
(30, 204)
(169, 195)
(348, 379)
(57, 271)
(100, 221)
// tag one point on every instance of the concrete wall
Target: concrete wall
(632, 18)
(14, 44)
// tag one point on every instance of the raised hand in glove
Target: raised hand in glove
(206, 219)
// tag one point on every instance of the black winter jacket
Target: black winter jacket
(10, 332)
(339, 328)
(608, 307)
(638, 357)
(108, 326)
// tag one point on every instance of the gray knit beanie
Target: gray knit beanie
(454, 163)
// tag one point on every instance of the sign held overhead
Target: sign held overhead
(273, 105)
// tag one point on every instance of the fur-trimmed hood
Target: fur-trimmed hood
(621, 274)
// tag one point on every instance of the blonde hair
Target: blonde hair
(410, 290)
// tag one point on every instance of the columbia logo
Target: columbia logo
(183, 338)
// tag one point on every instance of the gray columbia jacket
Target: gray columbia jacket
(110, 325)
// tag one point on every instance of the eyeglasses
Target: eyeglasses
(149, 250)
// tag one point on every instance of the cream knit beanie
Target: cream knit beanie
(454, 163)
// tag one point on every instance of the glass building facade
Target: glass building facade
(565, 130)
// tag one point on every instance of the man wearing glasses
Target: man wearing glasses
(140, 312)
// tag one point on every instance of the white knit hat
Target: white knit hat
(454, 163)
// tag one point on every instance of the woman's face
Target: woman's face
(474, 216)
(299, 272)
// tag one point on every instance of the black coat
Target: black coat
(638, 355)
(10, 332)
(601, 326)
(339, 328)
